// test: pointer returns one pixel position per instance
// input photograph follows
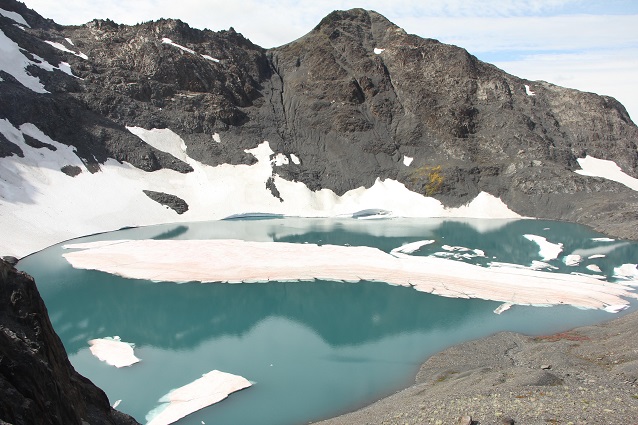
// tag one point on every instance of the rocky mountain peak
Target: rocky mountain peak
(357, 96)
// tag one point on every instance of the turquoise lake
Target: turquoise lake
(313, 349)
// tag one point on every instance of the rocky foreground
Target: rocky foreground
(588, 375)
(38, 385)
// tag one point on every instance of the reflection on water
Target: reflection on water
(314, 349)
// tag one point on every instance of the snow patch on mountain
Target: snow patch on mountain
(63, 48)
(15, 17)
(606, 169)
(529, 91)
(14, 63)
(41, 205)
(186, 49)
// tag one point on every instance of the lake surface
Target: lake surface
(312, 349)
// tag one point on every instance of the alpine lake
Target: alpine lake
(312, 349)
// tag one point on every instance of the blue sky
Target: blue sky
(582, 44)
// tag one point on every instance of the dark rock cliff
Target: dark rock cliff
(38, 385)
(350, 112)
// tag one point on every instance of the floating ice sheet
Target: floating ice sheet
(211, 388)
(411, 247)
(113, 351)
(572, 260)
(626, 271)
(243, 261)
(548, 251)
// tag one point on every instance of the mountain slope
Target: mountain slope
(105, 125)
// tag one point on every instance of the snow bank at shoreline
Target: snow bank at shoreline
(40, 205)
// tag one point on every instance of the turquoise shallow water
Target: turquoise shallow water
(313, 349)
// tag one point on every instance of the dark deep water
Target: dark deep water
(312, 349)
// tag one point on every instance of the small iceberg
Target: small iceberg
(211, 388)
(547, 250)
(113, 351)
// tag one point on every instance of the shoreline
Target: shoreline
(586, 375)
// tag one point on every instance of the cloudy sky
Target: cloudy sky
(589, 45)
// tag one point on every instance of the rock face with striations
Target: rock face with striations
(38, 385)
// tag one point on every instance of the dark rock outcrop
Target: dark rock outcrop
(38, 385)
(173, 202)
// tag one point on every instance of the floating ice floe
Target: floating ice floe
(626, 271)
(113, 351)
(593, 268)
(548, 251)
(603, 239)
(591, 257)
(572, 260)
(536, 265)
(503, 307)
(236, 261)
(211, 388)
(411, 247)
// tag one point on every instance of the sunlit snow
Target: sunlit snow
(279, 160)
(63, 48)
(186, 49)
(528, 91)
(210, 58)
(211, 388)
(42, 206)
(411, 247)
(547, 250)
(407, 160)
(378, 51)
(626, 271)
(245, 261)
(593, 268)
(14, 63)
(572, 260)
(113, 351)
(606, 169)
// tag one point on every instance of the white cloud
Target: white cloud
(611, 73)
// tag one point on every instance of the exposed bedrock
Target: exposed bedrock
(173, 202)
(37, 382)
